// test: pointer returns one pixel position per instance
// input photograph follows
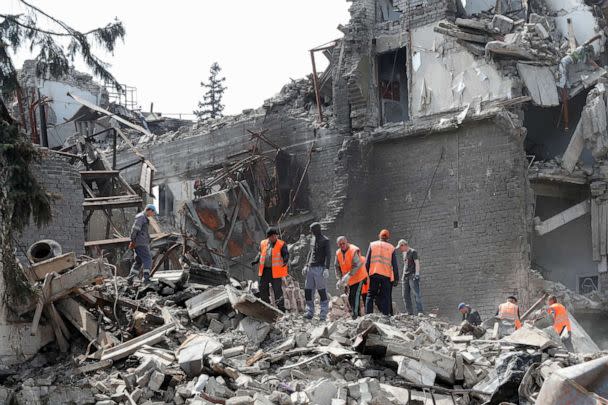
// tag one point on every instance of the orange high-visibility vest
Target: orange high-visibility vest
(509, 312)
(382, 259)
(365, 288)
(345, 261)
(279, 269)
(560, 318)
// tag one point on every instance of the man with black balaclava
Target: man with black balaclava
(316, 272)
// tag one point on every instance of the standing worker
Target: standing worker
(273, 260)
(508, 316)
(316, 272)
(140, 242)
(561, 321)
(411, 278)
(383, 270)
(350, 270)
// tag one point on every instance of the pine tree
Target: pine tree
(211, 106)
(21, 196)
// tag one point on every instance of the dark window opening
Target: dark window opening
(288, 173)
(392, 80)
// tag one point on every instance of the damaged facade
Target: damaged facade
(434, 126)
(478, 133)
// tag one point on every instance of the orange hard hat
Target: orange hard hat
(384, 234)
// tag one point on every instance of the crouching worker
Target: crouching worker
(561, 321)
(350, 271)
(273, 260)
(140, 243)
(471, 321)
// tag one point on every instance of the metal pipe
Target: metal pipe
(315, 82)
(114, 149)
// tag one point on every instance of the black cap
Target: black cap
(271, 231)
(512, 297)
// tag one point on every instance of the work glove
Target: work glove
(417, 277)
(326, 274)
(395, 283)
(131, 245)
(304, 270)
(253, 263)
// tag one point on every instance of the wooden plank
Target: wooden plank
(125, 349)
(106, 243)
(99, 174)
(57, 264)
(472, 24)
(125, 203)
(77, 277)
(457, 33)
(603, 228)
(574, 149)
(568, 215)
(595, 226)
(84, 322)
(540, 84)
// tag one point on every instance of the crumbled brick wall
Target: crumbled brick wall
(419, 187)
(184, 160)
(62, 180)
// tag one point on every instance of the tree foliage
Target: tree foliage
(53, 57)
(21, 196)
(211, 106)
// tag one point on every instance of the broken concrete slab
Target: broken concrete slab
(540, 84)
(249, 305)
(127, 348)
(207, 301)
(530, 336)
(322, 392)
(193, 352)
(442, 364)
(414, 371)
(255, 330)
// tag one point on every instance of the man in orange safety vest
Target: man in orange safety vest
(383, 269)
(561, 321)
(350, 271)
(272, 260)
(508, 316)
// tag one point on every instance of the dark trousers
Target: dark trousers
(410, 286)
(380, 292)
(266, 281)
(354, 298)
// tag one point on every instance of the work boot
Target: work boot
(146, 277)
(324, 310)
(310, 309)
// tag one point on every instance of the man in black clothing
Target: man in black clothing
(316, 272)
(471, 321)
(411, 278)
(273, 260)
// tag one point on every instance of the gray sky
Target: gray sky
(170, 45)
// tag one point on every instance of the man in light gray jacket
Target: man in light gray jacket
(140, 242)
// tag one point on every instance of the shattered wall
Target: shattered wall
(446, 76)
(62, 180)
(61, 107)
(459, 197)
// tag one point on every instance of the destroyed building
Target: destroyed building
(450, 129)
(476, 131)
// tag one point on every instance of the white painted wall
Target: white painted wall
(452, 75)
(583, 22)
(63, 107)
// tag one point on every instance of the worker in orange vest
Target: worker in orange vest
(508, 316)
(350, 271)
(273, 260)
(383, 268)
(561, 321)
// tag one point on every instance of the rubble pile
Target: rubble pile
(180, 341)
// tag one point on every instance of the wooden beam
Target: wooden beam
(127, 348)
(99, 174)
(568, 215)
(574, 149)
(85, 322)
(107, 243)
(57, 264)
